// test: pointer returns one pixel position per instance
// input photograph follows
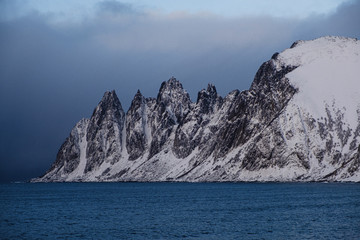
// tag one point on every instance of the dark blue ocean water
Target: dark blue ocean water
(180, 211)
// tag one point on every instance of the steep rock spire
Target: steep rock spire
(206, 99)
(172, 105)
(136, 127)
(187, 138)
(104, 134)
(174, 99)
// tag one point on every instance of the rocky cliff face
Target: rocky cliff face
(299, 121)
(105, 137)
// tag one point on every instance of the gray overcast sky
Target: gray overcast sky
(57, 60)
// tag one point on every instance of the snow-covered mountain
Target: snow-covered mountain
(299, 121)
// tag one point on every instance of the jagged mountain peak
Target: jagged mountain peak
(207, 99)
(138, 92)
(104, 141)
(299, 121)
(171, 83)
(138, 95)
(137, 101)
(210, 91)
(171, 89)
(211, 88)
(173, 100)
(109, 95)
(137, 130)
(109, 110)
(109, 101)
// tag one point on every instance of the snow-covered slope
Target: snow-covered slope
(329, 72)
(318, 130)
(327, 104)
(299, 121)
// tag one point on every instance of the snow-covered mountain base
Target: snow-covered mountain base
(299, 121)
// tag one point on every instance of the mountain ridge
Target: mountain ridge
(275, 131)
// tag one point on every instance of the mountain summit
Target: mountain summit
(299, 121)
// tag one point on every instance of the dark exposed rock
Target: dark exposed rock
(136, 127)
(296, 43)
(207, 100)
(173, 100)
(172, 105)
(104, 133)
(190, 133)
(268, 95)
(274, 56)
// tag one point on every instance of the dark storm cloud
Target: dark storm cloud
(53, 73)
(115, 7)
(344, 22)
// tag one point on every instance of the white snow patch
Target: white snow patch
(81, 132)
(124, 152)
(328, 72)
(147, 128)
